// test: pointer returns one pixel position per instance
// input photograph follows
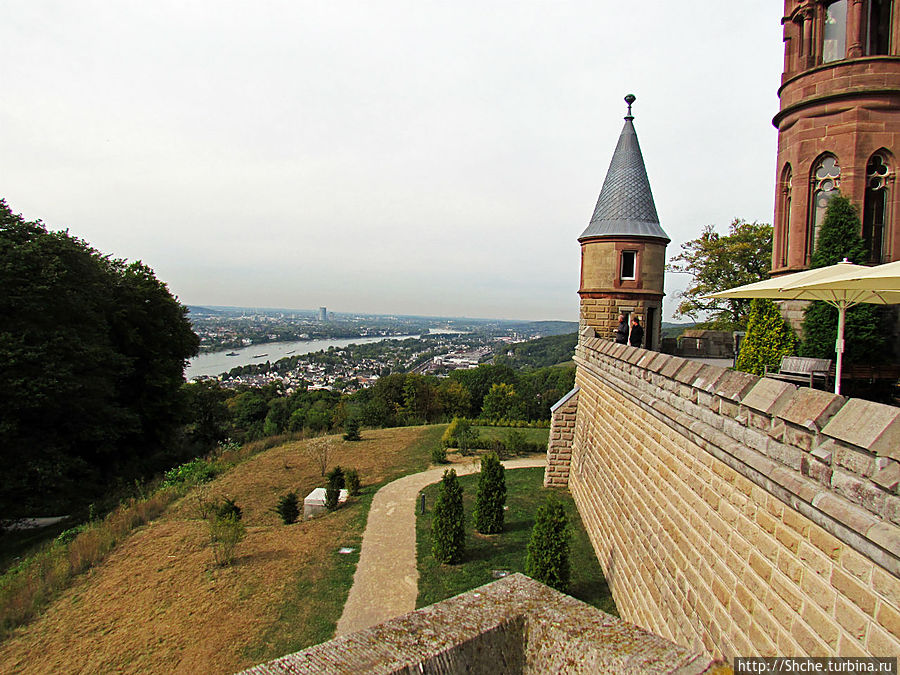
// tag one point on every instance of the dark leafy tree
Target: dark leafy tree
(92, 355)
(208, 418)
(548, 549)
(769, 338)
(351, 478)
(718, 262)
(865, 327)
(448, 536)
(491, 496)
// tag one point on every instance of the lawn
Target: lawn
(158, 603)
(540, 436)
(506, 551)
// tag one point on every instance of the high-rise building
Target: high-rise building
(323, 314)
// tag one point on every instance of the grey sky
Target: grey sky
(383, 156)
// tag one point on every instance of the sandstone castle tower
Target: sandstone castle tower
(838, 125)
(623, 249)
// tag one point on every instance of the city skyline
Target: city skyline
(408, 158)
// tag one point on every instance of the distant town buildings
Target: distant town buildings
(323, 314)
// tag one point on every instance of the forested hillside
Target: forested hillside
(539, 353)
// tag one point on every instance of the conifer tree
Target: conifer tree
(548, 550)
(769, 337)
(865, 334)
(333, 489)
(448, 537)
(491, 496)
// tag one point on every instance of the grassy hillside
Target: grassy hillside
(158, 603)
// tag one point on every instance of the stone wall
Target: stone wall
(736, 514)
(559, 448)
(514, 625)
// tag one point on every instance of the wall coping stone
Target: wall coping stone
(673, 366)
(734, 385)
(540, 630)
(811, 407)
(769, 396)
(688, 373)
(709, 378)
(865, 424)
(564, 399)
(888, 477)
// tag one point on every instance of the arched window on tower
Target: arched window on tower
(785, 242)
(875, 205)
(824, 183)
(834, 33)
(878, 27)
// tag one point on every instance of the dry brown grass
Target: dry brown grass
(159, 604)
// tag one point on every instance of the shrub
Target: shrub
(351, 478)
(351, 430)
(448, 536)
(491, 496)
(439, 454)
(769, 337)
(228, 509)
(514, 441)
(336, 476)
(225, 533)
(548, 550)
(191, 473)
(336, 482)
(288, 508)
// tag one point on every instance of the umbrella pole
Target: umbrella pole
(839, 347)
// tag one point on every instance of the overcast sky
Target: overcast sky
(417, 157)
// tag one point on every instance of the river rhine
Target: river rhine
(216, 363)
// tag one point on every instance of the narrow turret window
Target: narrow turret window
(785, 241)
(874, 207)
(834, 43)
(628, 264)
(878, 27)
(824, 183)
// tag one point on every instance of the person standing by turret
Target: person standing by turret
(637, 333)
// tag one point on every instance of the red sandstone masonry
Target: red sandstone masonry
(737, 515)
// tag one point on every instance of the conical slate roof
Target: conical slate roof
(625, 206)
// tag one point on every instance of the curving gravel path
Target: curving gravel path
(386, 581)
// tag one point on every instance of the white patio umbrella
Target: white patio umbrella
(842, 286)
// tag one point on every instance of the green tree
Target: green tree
(333, 488)
(769, 338)
(448, 536)
(491, 497)
(718, 262)
(865, 327)
(208, 417)
(548, 549)
(92, 356)
(502, 402)
(351, 430)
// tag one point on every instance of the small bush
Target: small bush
(515, 442)
(191, 473)
(228, 509)
(288, 508)
(769, 338)
(439, 455)
(351, 430)
(491, 496)
(336, 483)
(225, 534)
(448, 536)
(548, 549)
(351, 479)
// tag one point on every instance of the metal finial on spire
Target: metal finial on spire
(631, 98)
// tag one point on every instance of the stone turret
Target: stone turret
(623, 249)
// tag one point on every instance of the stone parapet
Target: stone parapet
(738, 514)
(514, 625)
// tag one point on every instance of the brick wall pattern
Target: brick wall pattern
(559, 448)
